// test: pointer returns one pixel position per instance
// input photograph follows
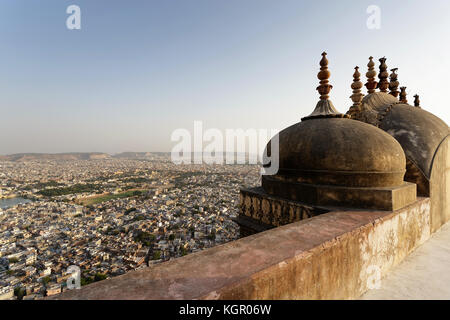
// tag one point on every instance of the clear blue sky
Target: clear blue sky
(139, 69)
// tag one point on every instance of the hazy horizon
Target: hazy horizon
(136, 72)
(110, 153)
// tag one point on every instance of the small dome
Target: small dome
(377, 99)
(339, 151)
(419, 132)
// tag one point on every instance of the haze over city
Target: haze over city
(134, 73)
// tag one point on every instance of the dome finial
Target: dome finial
(324, 74)
(403, 95)
(393, 84)
(371, 83)
(416, 101)
(357, 95)
(383, 75)
(324, 108)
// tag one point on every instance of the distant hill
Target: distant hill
(55, 156)
(131, 155)
(139, 155)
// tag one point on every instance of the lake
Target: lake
(11, 202)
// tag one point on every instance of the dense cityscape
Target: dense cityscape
(108, 215)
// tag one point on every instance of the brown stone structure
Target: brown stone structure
(393, 83)
(357, 95)
(403, 95)
(371, 84)
(328, 161)
(424, 139)
(383, 85)
(416, 101)
(262, 211)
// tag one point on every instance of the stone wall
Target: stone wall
(440, 186)
(335, 255)
(271, 210)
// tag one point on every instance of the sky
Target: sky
(138, 70)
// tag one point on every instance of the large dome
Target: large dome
(329, 160)
(342, 152)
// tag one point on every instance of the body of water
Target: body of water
(8, 203)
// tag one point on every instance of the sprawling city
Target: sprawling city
(108, 215)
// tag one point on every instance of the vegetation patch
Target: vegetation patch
(76, 188)
(108, 197)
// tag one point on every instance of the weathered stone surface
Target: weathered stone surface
(423, 275)
(330, 256)
(381, 198)
(260, 211)
(344, 152)
(419, 132)
(415, 175)
(440, 186)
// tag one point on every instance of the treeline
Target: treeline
(76, 188)
(42, 185)
(97, 277)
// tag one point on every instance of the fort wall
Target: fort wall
(335, 255)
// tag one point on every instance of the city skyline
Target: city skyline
(134, 74)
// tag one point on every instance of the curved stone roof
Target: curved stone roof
(339, 151)
(377, 99)
(419, 132)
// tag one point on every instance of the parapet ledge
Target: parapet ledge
(325, 257)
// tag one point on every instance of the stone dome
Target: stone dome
(419, 132)
(341, 152)
(329, 160)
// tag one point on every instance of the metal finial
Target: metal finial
(383, 85)
(371, 84)
(416, 101)
(324, 74)
(403, 95)
(393, 84)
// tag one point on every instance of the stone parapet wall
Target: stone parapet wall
(440, 186)
(273, 211)
(335, 255)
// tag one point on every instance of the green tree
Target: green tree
(13, 260)
(19, 292)
(156, 255)
(99, 277)
(86, 280)
(212, 236)
(130, 210)
(45, 280)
